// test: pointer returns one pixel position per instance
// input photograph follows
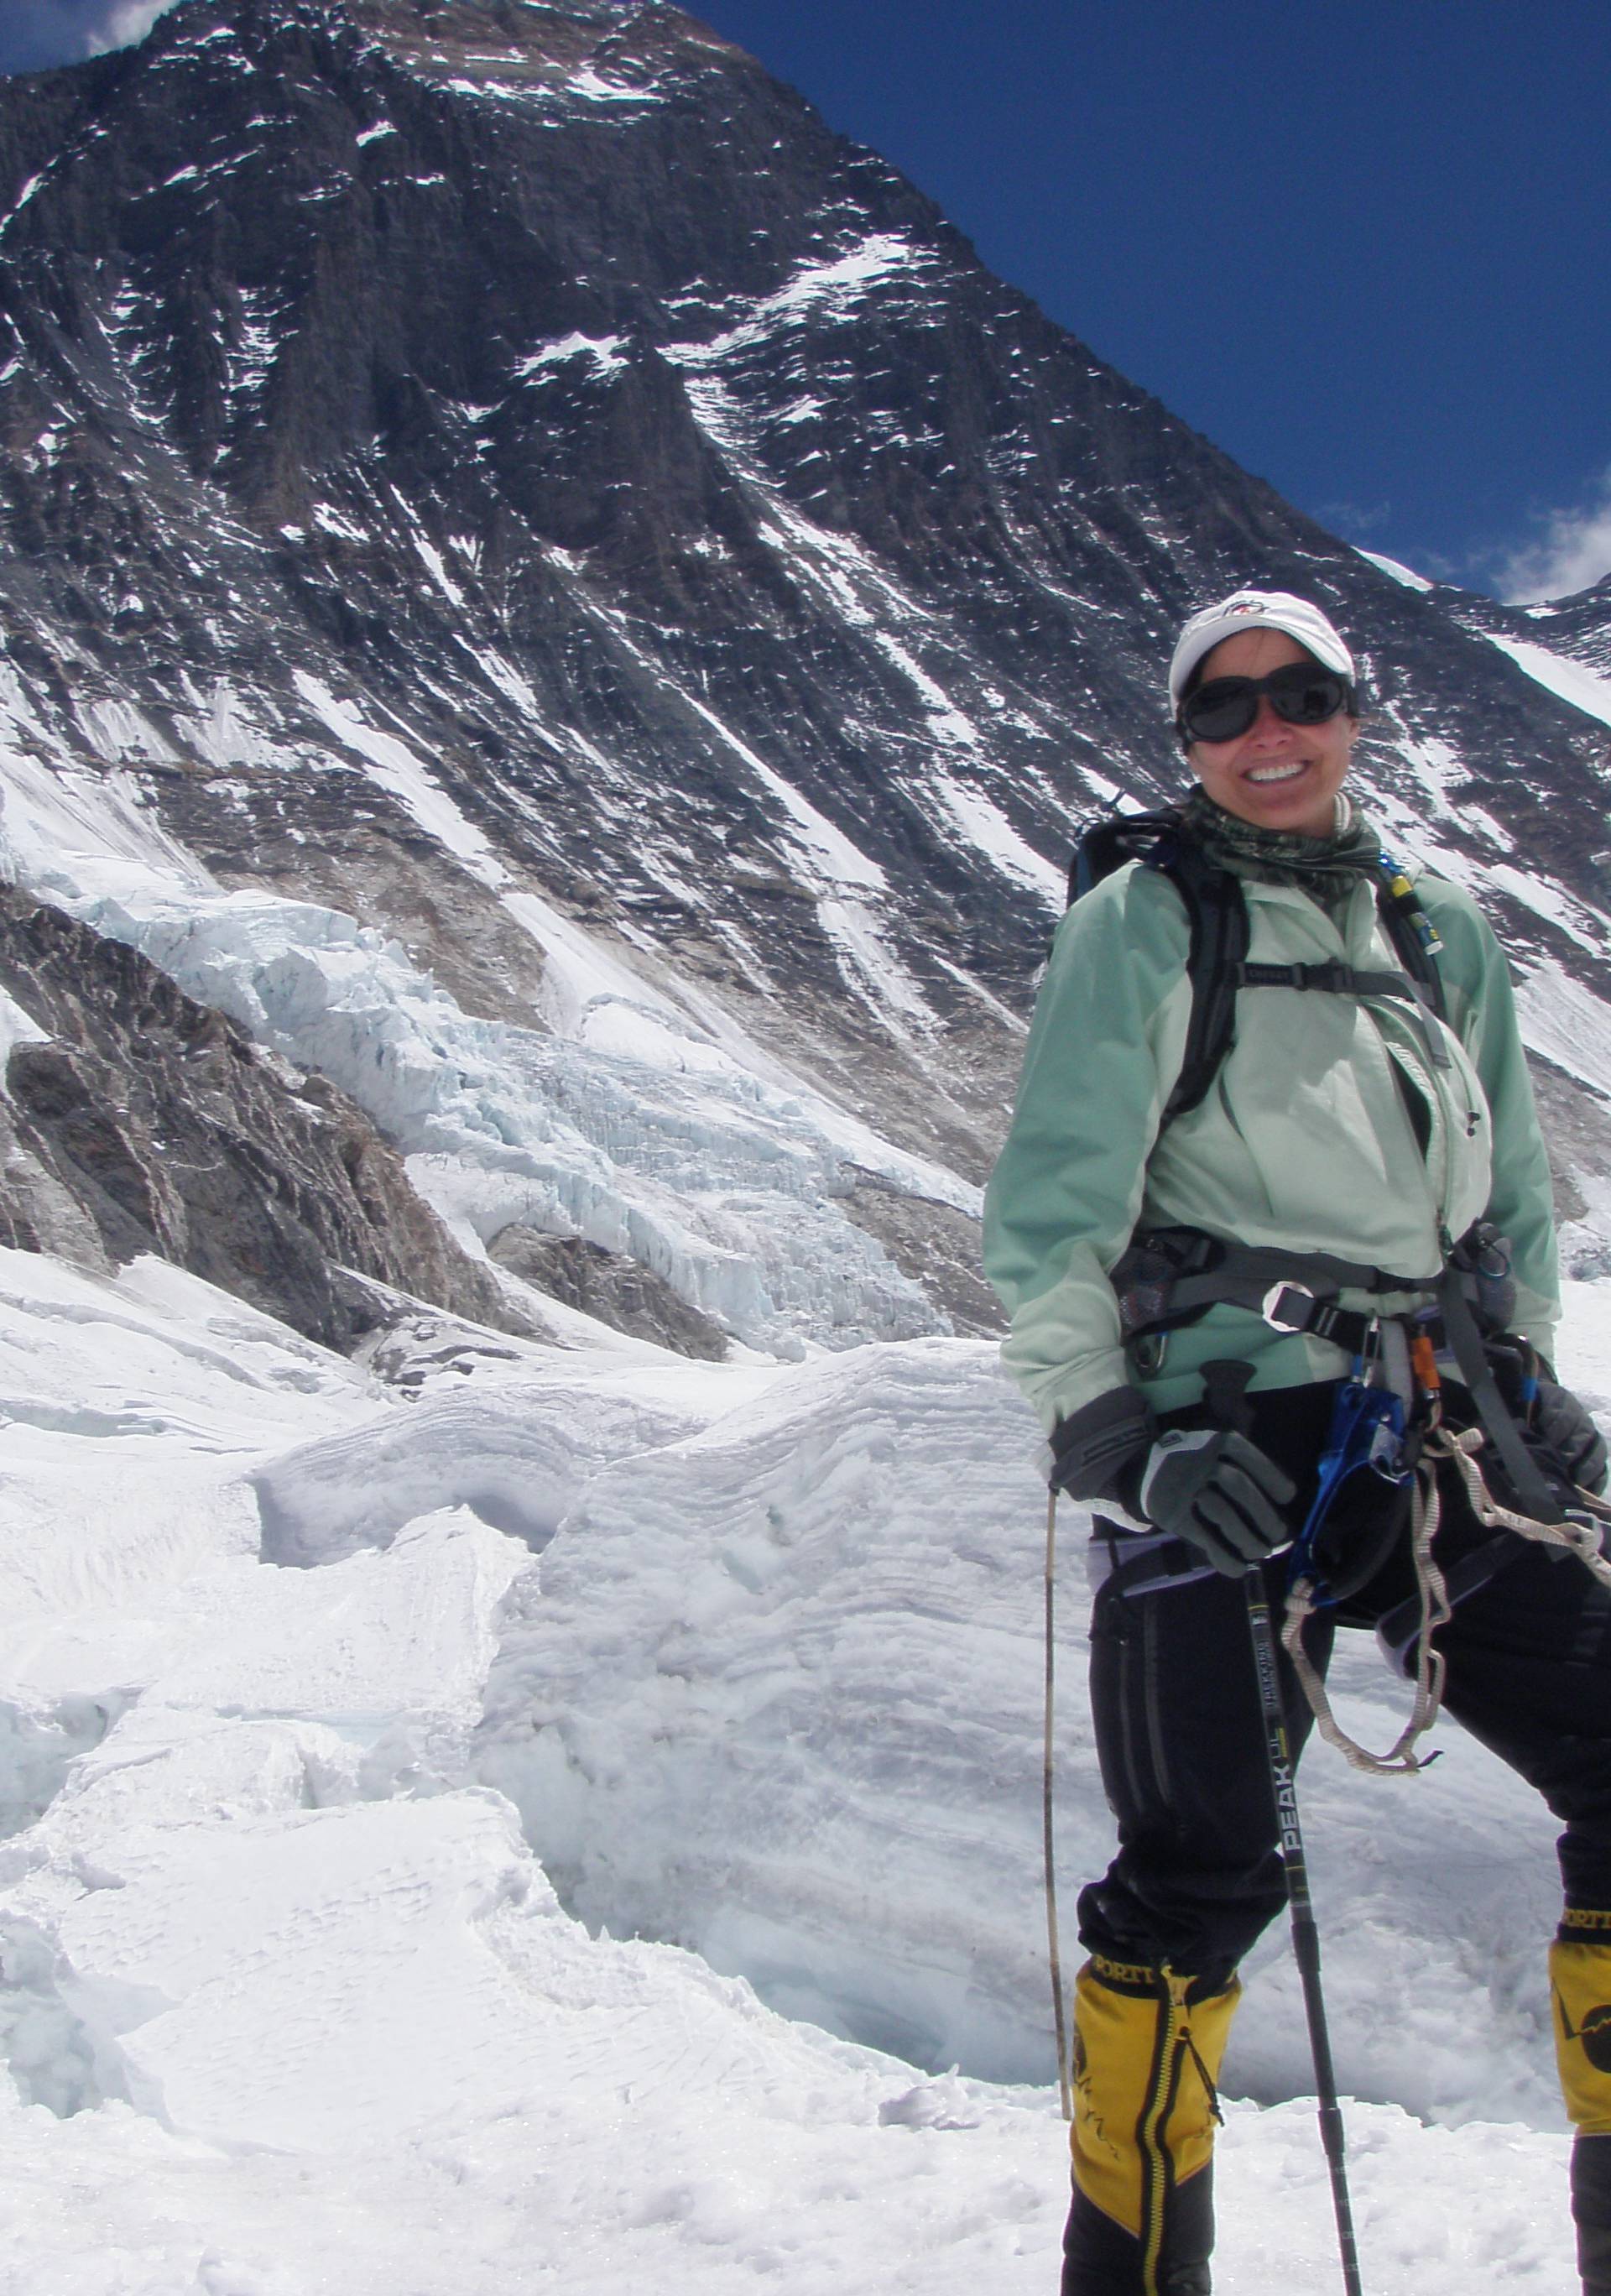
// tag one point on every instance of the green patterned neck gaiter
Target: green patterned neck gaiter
(1328, 867)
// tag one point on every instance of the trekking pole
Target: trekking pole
(1305, 1936)
(1046, 1798)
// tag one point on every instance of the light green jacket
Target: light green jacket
(1304, 1139)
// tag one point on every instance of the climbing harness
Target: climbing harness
(1389, 1418)
(1169, 1277)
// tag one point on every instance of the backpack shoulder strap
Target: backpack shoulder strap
(1117, 837)
(1216, 912)
(1414, 936)
(1216, 915)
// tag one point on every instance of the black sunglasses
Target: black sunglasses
(1301, 692)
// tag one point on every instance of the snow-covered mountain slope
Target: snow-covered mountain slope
(1579, 626)
(510, 484)
(1563, 644)
(290, 2003)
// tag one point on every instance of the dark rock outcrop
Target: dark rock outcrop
(609, 1287)
(173, 1134)
(936, 1245)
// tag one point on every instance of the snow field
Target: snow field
(289, 2004)
(768, 1695)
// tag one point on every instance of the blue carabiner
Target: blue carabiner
(1367, 1430)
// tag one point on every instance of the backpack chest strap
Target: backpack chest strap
(1217, 963)
(1339, 979)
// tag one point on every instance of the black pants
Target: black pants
(1179, 1733)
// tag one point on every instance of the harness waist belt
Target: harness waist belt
(1170, 1276)
(1291, 1308)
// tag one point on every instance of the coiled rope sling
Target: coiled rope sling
(1460, 1448)
(1577, 1527)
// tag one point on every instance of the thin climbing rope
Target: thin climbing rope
(1460, 1448)
(1055, 1956)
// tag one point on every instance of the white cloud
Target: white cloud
(35, 35)
(1571, 550)
(129, 20)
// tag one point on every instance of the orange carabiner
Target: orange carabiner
(1423, 1359)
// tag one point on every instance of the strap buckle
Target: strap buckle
(1280, 1316)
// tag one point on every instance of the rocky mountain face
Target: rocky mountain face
(559, 594)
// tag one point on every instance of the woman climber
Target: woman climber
(1273, 1217)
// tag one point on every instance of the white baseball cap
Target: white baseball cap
(1257, 609)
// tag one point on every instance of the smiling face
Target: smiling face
(1275, 775)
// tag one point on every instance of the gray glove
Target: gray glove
(1566, 1430)
(1218, 1492)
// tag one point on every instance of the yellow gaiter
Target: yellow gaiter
(1146, 2067)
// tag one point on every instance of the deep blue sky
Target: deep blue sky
(1363, 244)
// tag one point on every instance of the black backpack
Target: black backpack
(1216, 959)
